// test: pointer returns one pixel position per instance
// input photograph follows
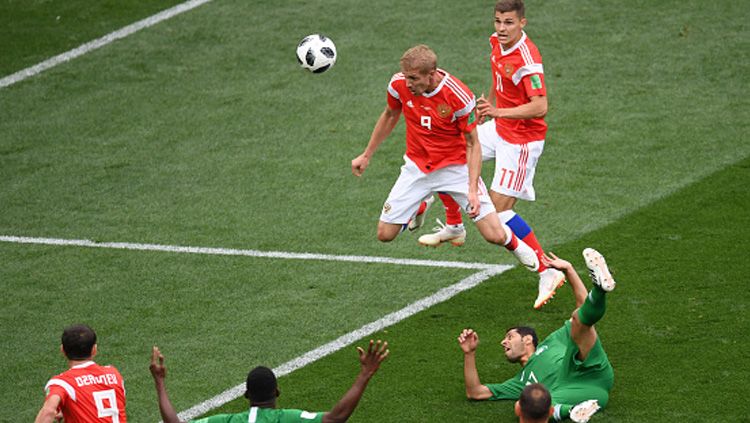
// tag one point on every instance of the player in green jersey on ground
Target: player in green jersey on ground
(570, 362)
(262, 392)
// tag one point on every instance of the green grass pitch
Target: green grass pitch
(203, 131)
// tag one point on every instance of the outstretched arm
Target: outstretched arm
(383, 127)
(159, 372)
(469, 340)
(370, 361)
(579, 289)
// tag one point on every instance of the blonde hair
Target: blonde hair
(419, 57)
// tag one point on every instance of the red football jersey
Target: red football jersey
(435, 121)
(89, 393)
(518, 74)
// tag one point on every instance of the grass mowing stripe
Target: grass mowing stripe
(247, 253)
(351, 337)
(100, 42)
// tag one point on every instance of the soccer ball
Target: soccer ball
(316, 53)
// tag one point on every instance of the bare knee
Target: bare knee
(491, 229)
(495, 238)
(502, 202)
(387, 232)
(383, 237)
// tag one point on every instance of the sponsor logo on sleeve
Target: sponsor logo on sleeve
(536, 82)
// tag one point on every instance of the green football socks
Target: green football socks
(594, 307)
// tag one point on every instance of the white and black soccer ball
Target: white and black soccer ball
(316, 53)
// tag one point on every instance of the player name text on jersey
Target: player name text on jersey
(105, 379)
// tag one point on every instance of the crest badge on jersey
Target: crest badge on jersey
(508, 68)
(444, 110)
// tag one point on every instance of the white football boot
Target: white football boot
(549, 280)
(455, 234)
(526, 256)
(598, 269)
(417, 221)
(582, 412)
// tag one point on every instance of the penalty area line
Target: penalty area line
(350, 338)
(247, 253)
(100, 42)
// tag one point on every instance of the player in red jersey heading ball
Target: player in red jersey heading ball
(442, 153)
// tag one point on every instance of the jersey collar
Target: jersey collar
(515, 46)
(440, 85)
(82, 365)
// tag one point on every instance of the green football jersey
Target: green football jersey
(265, 415)
(569, 380)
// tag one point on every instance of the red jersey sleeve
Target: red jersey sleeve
(394, 98)
(60, 388)
(467, 122)
(531, 74)
(534, 85)
(464, 104)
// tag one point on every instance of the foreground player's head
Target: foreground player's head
(79, 342)
(534, 405)
(510, 20)
(419, 66)
(261, 386)
(519, 343)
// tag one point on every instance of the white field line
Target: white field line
(247, 253)
(486, 271)
(100, 42)
(351, 337)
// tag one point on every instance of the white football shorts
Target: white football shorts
(515, 164)
(413, 186)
